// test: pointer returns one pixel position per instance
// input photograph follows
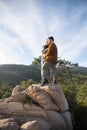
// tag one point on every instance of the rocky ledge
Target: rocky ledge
(35, 108)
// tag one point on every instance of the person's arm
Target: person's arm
(50, 50)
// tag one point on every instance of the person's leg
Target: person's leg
(52, 73)
(45, 72)
(42, 66)
(55, 76)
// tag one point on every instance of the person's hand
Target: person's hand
(43, 55)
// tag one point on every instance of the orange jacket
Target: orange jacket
(51, 54)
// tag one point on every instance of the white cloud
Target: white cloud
(75, 46)
(3, 58)
(31, 28)
(24, 27)
(84, 64)
(8, 40)
(73, 39)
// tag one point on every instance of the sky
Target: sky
(26, 24)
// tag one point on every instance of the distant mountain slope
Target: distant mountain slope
(13, 74)
(80, 70)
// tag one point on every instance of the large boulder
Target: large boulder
(36, 125)
(8, 124)
(20, 109)
(18, 89)
(57, 96)
(36, 108)
(42, 97)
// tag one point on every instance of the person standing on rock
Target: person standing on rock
(50, 61)
(44, 50)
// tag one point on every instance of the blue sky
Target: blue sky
(25, 25)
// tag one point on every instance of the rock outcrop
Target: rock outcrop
(35, 108)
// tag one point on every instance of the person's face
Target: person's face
(48, 41)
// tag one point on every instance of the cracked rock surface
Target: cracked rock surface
(35, 108)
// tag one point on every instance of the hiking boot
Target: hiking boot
(44, 82)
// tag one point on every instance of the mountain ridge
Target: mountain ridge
(15, 73)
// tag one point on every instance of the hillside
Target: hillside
(73, 82)
(13, 74)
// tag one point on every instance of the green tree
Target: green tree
(65, 63)
(82, 95)
(26, 84)
(5, 90)
(37, 61)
